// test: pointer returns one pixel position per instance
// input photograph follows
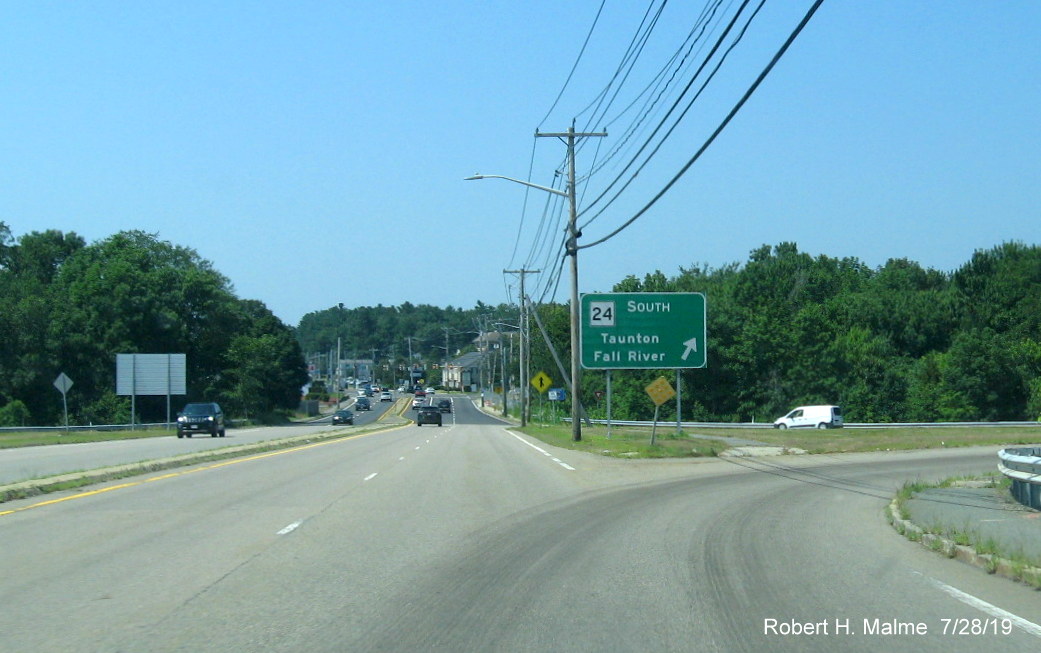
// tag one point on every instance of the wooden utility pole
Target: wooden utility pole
(524, 348)
(572, 251)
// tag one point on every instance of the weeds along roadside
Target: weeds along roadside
(963, 542)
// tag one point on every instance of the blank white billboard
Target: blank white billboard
(151, 374)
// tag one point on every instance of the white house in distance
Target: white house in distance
(469, 371)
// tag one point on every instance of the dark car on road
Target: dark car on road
(428, 415)
(201, 418)
(343, 417)
(445, 405)
(362, 403)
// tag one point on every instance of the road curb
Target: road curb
(988, 562)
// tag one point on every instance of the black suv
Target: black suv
(362, 403)
(445, 405)
(201, 418)
(428, 415)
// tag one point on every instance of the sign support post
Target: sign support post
(645, 331)
(63, 383)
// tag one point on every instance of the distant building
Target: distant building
(464, 372)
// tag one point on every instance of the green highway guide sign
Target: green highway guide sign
(640, 330)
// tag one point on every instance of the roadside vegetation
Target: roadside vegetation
(70, 307)
(964, 541)
(895, 343)
(13, 439)
(627, 442)
(634, 442)
(886, 439)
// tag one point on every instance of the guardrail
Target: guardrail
(1022, 465)
(849, 425)
(105, 427)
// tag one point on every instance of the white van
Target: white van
(811, 417)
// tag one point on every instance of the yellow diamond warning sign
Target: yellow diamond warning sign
(660, 391)
(541, 381)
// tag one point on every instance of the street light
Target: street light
(572, 251)
(555, 191)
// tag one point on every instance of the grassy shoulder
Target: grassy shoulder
(627, 442)
(891, 439)
(634, 442)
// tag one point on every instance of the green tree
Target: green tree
(27, 304)
(14, 414)
(265, 368)
(1000, 289)
(132, 293)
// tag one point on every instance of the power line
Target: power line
(704, 64)
(737, 107)
(575, 65)
(693, 38)
(524, 206)
(631, 56)
(552, 213)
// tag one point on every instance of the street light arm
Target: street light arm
(525, 183)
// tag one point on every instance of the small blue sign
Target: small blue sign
(557, 394)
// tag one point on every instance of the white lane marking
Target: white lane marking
(289, 529)
(371, 476)
(543, 452)
(417, 449)
(400, 459)
(980, 604)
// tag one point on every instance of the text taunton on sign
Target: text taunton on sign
(643, 331)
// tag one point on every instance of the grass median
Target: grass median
(16, 439)
(634, 442)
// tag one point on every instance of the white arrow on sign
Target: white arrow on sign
(691, 345)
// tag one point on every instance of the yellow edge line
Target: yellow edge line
(224, 463)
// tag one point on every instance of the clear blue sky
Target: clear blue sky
(315, 152)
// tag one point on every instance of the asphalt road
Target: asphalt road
(26, 463)
(470, 538)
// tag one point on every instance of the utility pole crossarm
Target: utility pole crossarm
(572, 251)
(567, 134)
